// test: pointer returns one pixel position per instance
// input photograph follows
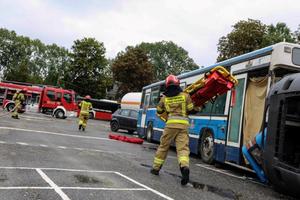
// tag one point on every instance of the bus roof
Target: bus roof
(229, 62)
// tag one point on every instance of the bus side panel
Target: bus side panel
(233, 154)
(217, 126)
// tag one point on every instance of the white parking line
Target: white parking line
(144, 186)
(22, 143)
(221, 171)
(26, 188)
(59, 134)
(2, 142)
(53, 185)
(43, 145)
(65, 197)
(109, 189)
(62, 147)
(39, 118)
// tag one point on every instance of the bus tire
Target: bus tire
(10, 107)
(59, 114)
(149, 132)
(91, 115)
(206, 147)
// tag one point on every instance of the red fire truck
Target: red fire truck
(39, 98)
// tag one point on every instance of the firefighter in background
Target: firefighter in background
(85, 107)
(177, 105)
(19, 99)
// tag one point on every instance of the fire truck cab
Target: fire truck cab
(58, 102)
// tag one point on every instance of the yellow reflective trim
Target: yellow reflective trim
(158, 161)
(190, 106)
(182, 159)
(177, 121)
(183, 106)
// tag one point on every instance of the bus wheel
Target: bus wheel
(10, 107)
(91, 115)
(207, 147)
(149, 132)
(60, 114)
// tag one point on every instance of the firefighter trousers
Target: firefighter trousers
(17, 108)
(181, 138)
(83, 118)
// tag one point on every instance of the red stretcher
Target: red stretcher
(126, 139)
(216, 82)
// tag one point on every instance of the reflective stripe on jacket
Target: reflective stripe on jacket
(85, 106)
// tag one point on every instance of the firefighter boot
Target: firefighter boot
(80, 126)
(185, 172)
(154, 171)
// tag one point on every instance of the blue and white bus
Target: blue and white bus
(219, 131)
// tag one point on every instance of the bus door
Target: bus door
(145, 108)
(235, 122)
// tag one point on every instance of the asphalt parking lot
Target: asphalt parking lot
(47, 158)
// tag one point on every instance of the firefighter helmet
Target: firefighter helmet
(87, 97)
(172, 80)
(23, 90)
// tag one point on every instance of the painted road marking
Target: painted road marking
(39, 118)
(221, 171)
(26, 188)
(22, 143)
(2, 142)
(59, 134)
(53, 185)
(65, 197)
(95, 188)
(144, 186)
(70, 148)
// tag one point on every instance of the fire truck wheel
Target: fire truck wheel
(206, 145)
(59, 114)
(149, 132)
(10, 107)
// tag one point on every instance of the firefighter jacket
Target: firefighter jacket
(177, 108)
(85, 107)
(19, 97)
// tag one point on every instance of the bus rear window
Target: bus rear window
(296, 56)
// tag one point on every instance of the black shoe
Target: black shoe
(80, 127)
(15, 117)
(83, 129)
(185, 172)
(154, 171)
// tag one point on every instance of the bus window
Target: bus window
(215, 108)
(296, 56)
(154, 97)
(51, 95)
(68, 97)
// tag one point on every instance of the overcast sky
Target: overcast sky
(196, 25)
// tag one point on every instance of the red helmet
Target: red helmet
(24, 90)
(87, 97)
(172, 80)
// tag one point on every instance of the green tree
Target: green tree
(167, 58)
(297, 35)
(85, 73)
(132, 70)
(245, 37)
(57, 62)
(278, 33)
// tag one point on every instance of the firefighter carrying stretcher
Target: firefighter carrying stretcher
(177, 105)
(85, 107)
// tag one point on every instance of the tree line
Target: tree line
(85, 68)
